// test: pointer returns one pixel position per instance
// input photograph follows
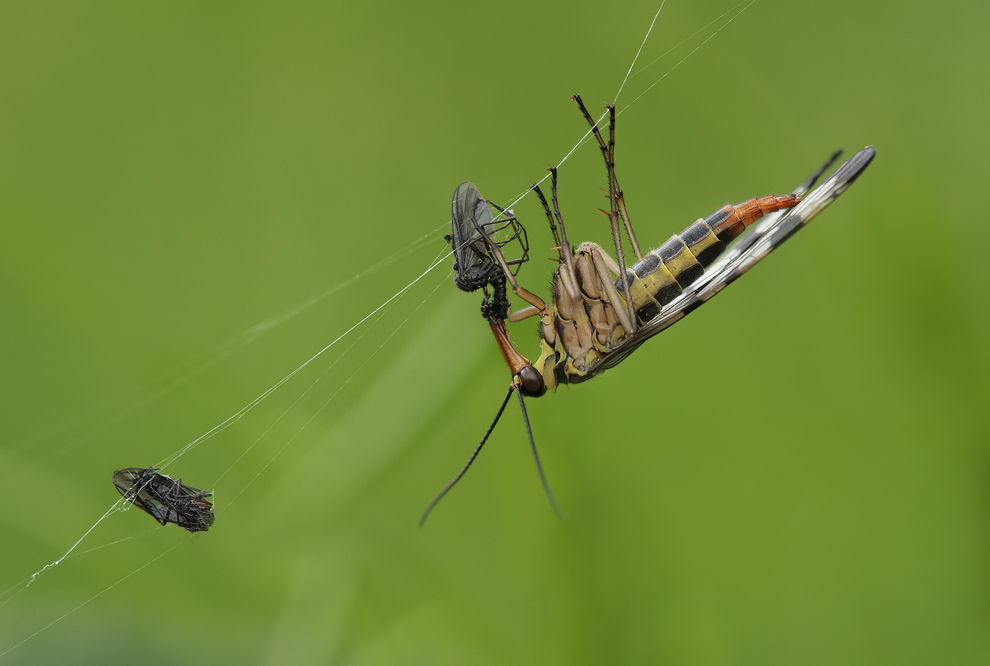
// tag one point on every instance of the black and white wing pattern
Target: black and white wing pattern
(762, 239)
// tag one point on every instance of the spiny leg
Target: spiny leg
(572, 287)
(563, 246)
(618, 195)
(609, 155)
(614, 194)
(556, 210)
(613, 200)
(553, 224)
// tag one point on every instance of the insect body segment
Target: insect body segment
(167, 500)
(588, 329)
(661, 276)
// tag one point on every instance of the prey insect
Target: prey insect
(602, 310)
(167, 500)
(475, 234)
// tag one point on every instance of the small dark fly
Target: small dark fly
(475, 230)
(167, 500)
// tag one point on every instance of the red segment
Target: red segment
(752, 210)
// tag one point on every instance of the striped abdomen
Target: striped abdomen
(662, 274)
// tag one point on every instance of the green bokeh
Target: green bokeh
(796, 475)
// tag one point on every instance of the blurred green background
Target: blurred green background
(796, 474)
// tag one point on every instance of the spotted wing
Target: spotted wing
(765, 237)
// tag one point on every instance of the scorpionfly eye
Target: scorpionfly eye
(531, 382)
